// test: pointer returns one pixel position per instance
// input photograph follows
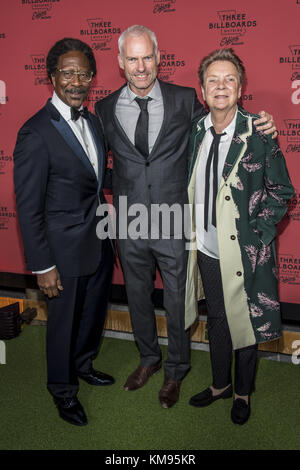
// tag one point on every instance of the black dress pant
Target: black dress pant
(75, 324)
(219, 335)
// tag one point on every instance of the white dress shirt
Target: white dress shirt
(77, 127)
(207, 242)
(87, 142)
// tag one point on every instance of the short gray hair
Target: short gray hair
(137, 30)
(222, 54)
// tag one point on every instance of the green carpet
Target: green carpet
(120, 420)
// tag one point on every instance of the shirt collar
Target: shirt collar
(229, 129)
(63, 108)
(154, 93)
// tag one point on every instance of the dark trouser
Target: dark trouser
(219, 335)
(75, 325)
(139, 259)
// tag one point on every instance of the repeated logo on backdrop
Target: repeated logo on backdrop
(99, 32)
(41, 9)
(232, 26)
(5, 162)
(164, 6)
(169, 64)
(96, 93)
(293, 58)
(37, 66)
(6, 215)
(294, 207)
(291, 133)
(289, 263)
(289, 269)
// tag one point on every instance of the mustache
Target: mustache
(77, 91)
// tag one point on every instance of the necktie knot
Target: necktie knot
(216, 136)
(77, 113)
(143, 102)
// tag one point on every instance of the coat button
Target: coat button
(239, 273)
(233, 237)
(147, 164)
(227, 198)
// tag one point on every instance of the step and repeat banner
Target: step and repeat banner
(265, 34)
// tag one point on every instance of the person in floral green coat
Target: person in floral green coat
(238, 190)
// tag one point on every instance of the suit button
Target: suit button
(239, 273)
(147, 164)
(149, 186)
(227, 198)
(233, 237)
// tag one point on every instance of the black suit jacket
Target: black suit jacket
(162, 177)
(57, 194)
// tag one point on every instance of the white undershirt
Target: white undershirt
(207, 242)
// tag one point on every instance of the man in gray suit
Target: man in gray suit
(151, 170)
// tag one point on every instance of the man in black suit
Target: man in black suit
(59, 172)
(150, 168)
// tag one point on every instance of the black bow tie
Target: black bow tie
(76, 113)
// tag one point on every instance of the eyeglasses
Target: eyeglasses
(69, 75)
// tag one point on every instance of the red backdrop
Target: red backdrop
(264, 35)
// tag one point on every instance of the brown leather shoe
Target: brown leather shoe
(140, 376)
(169, 393)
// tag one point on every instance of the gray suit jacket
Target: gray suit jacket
(162, 177)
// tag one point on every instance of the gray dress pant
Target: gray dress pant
(139, 259)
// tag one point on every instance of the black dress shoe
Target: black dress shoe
(95, 377)
(206, 397)
(240, 411)
(70, 409)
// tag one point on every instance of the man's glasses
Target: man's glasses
(69, 75)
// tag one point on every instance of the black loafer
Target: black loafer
(70, 409)
(95, 377)
(206, 397)
(240, 411)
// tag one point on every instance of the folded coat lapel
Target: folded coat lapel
(168, 100)
(135, 155)
(68, 135)
(197, 136)
(237, 144)
(99, 148)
